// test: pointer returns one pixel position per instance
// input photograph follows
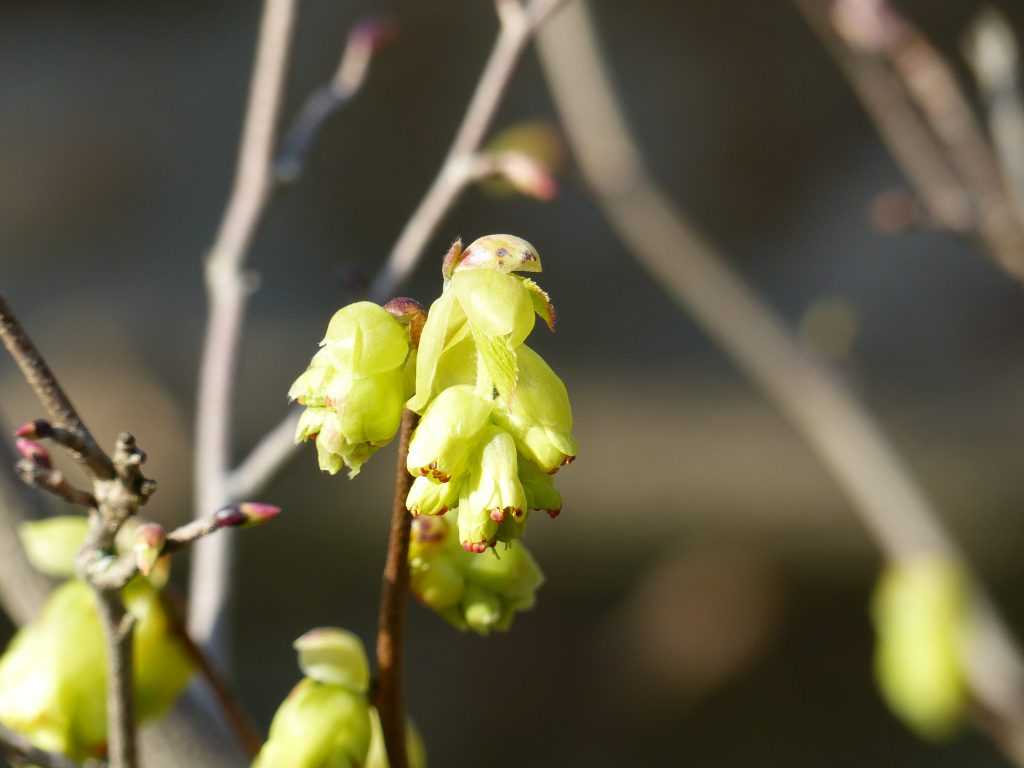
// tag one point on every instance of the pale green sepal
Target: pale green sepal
(447, 434)
(445, 320)
(495, 304)
(365, 339)
(334, 656)
(541, 303)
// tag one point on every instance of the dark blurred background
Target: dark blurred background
(707, 589)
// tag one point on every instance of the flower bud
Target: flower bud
(377, 757)
(919, 610)
(482, 592)
(502, 253)
(491, 492)
(364, 339)
(53, 673)
(149, 544)
(539, 416)
(428, 497)
(482, 610)
(436, 581)
(334, 656)
(448, 433)
(318, 725)
(354, 387)
(325, 720)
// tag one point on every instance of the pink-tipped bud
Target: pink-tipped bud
(374, 33)
(150, 539)
(477, 548)
(34, 452)
(36, 430)
(527, 175)
(246, 514)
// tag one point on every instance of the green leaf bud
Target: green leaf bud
(919, 610)
(448, 433)
(539, 416)
(318, 725)
(334, 656)
(429, 497)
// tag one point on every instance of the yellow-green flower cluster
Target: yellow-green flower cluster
(469, 591)
(327, 719)
(496, 420)
(53, 675)
(356, 385)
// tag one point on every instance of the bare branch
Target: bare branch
(913, 145)
(892, 507)
(874, 34)
(363, 41)
(20, 748)
(391, 617)
(994, 55)
(228, 292)
(53, 481)
(39, 376)
(248, 737)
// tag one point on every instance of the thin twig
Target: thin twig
(22, 588)
(120, 488)
(891, 505)
(994, 55)
(248, 737)
(363, 41)
(391, 617)
(903, 130)
(228, 289)
(518, 25)
(21, 748)
(39, 376)
(874, 30)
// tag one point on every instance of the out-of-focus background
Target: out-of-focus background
(707, 590)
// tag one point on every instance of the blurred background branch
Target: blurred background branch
(843, 434)
(228, 288)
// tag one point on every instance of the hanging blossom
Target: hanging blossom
(496, 422)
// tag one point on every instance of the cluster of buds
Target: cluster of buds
(470, 592)
(355, 387)
(53, 675)
(327, 719)
(920, 614)
(496, 420)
